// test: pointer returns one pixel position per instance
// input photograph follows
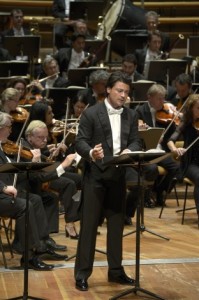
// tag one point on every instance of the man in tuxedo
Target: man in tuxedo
(17, 28)
(105, 129)
(150, 52)
(152, 21)
(13, 205)
(129, 66)
(73, 57)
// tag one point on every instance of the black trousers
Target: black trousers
(38, 226)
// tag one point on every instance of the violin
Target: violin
(19, 115)
(11, 148)
(167, 114)
(30, 99)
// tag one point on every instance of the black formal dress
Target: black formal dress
(104, 188)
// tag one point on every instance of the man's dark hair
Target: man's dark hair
(76, 35)
(184, 79)
(118, 76)
(130, 58)
(16, 10)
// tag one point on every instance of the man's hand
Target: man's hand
(10, 190)
(97, 152)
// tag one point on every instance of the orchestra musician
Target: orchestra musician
(183, 88)
(70, 182)
(96, 92)
(188, 131)
(148, 114)
(9, 104)
(129, 66)
(73, 57)
(50, 78)
(152, 22)
(150, 52)
(13, 205)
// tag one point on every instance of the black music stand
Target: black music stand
(27, 45)
(88, 10)
(192, 46)
(140, 89)
(165, 70)
(26, 167)
(80, 76)
(60, 97)
(13, 68)
(137, 159)
(135, 41)
(97, 47)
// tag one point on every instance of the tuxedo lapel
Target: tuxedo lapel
(106, 126)
(124, 129)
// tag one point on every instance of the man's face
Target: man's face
(79, 44)
(81, 28)
(51, 68)
(128, 67)
(17, 19)
(156, 101)
(155, 43)
(118, 94)
(151, 23)
(5, 131)
(183, 90)
(38, 139)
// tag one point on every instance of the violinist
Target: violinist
(188, 131)
(9, 104)
(36, 139)
(183, 88)
(147, 113)
(13, 203)
(97, 87)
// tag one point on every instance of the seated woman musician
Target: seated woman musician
(26, 95)
(188, 131)
(10, 104)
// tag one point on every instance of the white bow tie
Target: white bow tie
(113, 111)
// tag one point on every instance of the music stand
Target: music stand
(28, 45)
(192, 46)
(165, 70)
(13, 68)
(151, 137)
(137, 159)
(25, 167)
(88, 10)
(80, 76)
(140, 89)
(60, 97)
(97, 47)
(135, 41)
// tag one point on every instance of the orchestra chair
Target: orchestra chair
(7, 229)
(188, 183)
(163, 172)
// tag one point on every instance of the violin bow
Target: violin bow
(175, 116)
(16, 175)
(22, 130)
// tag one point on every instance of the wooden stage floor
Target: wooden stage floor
(169, 269)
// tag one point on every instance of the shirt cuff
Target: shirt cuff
(60, 170)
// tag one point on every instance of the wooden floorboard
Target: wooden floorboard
(169, 269)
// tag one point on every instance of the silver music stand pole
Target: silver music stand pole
(138, 159)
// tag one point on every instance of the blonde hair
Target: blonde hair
(156, 89)
(8, 94)
(4, 117)
(34, 126)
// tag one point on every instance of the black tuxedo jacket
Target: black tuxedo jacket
(58, 9)
(140, 55)
(95, 128)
